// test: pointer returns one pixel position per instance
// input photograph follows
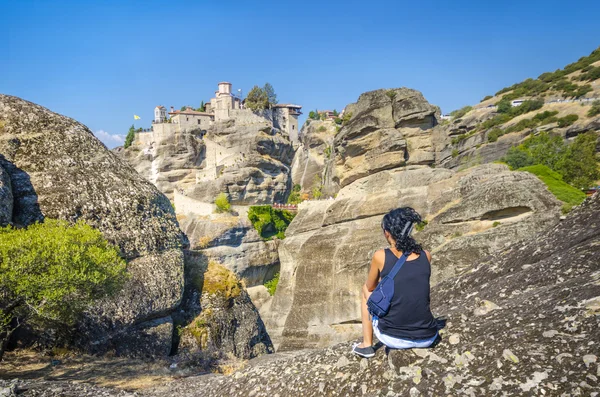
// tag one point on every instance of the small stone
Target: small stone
(364, 364)
(485, 307)
(342, 362)
(454, 339)
(550, 333)
(363, 388)
(510, 356)
(414, 392)
(589, 359)
(321, 387)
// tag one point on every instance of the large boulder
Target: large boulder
(387, 129)
(325, 256)
(58, 169)
(523, 321)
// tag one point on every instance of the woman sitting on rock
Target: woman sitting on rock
(409, 322)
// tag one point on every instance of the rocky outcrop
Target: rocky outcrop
(387, 129)
(313, 154)
(325, 256)
(232, 241)
(524, 321)
(247, 159)
(170, 161)
(58, 169)
(217, 315)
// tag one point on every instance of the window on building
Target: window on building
(293, 127)
(198, 121)
(187, 119)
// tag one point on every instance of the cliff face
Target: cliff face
(384, 158)
(325, 256)
(523, 321)
(170, 161)
(388, 129)
(52, 166)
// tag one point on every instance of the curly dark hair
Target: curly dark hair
(399, 223)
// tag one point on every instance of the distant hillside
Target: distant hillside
(564, 102)
(574, 81)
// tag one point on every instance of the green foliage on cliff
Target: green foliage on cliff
(558, 80)
(130, 137)
(270, 222)
(222, 203)
(575, 163)
(562, 190)
(272, 284)
(567, 120)
(50, 272)
(594, 110)
(295, 196)
(457, 114)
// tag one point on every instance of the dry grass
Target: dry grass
(203, 242)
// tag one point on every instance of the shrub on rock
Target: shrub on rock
(50, 272)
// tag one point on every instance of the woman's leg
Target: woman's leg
(367, 325)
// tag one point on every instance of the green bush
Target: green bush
(517, 158)
(50, 272)
(567, 120)
(553, 180)
(545, 117)
(269, 221)
(579, 166)
(494, 134)
(486, 98)
(322, 128)
(454, 153)
(272, 284)
(420, 226)
(327, 151)
(594, 110)
(222, 203)
(457, 114)
(496, 224)
(346, 118)
(295, 196)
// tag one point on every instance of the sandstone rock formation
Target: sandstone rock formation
(217, 316)
(388, 129)
(253, 162)
(325, 256)
(540, 339)
(56, 168)
(170, 161)
(313, 154)
(232, 241)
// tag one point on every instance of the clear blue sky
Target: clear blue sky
(101, 62)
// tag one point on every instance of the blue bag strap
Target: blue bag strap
(398, 264)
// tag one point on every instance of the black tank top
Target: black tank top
(409, 316)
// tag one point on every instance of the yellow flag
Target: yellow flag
(136, 117)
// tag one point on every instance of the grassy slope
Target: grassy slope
(563, 191)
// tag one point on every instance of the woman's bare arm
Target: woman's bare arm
(375, 269)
